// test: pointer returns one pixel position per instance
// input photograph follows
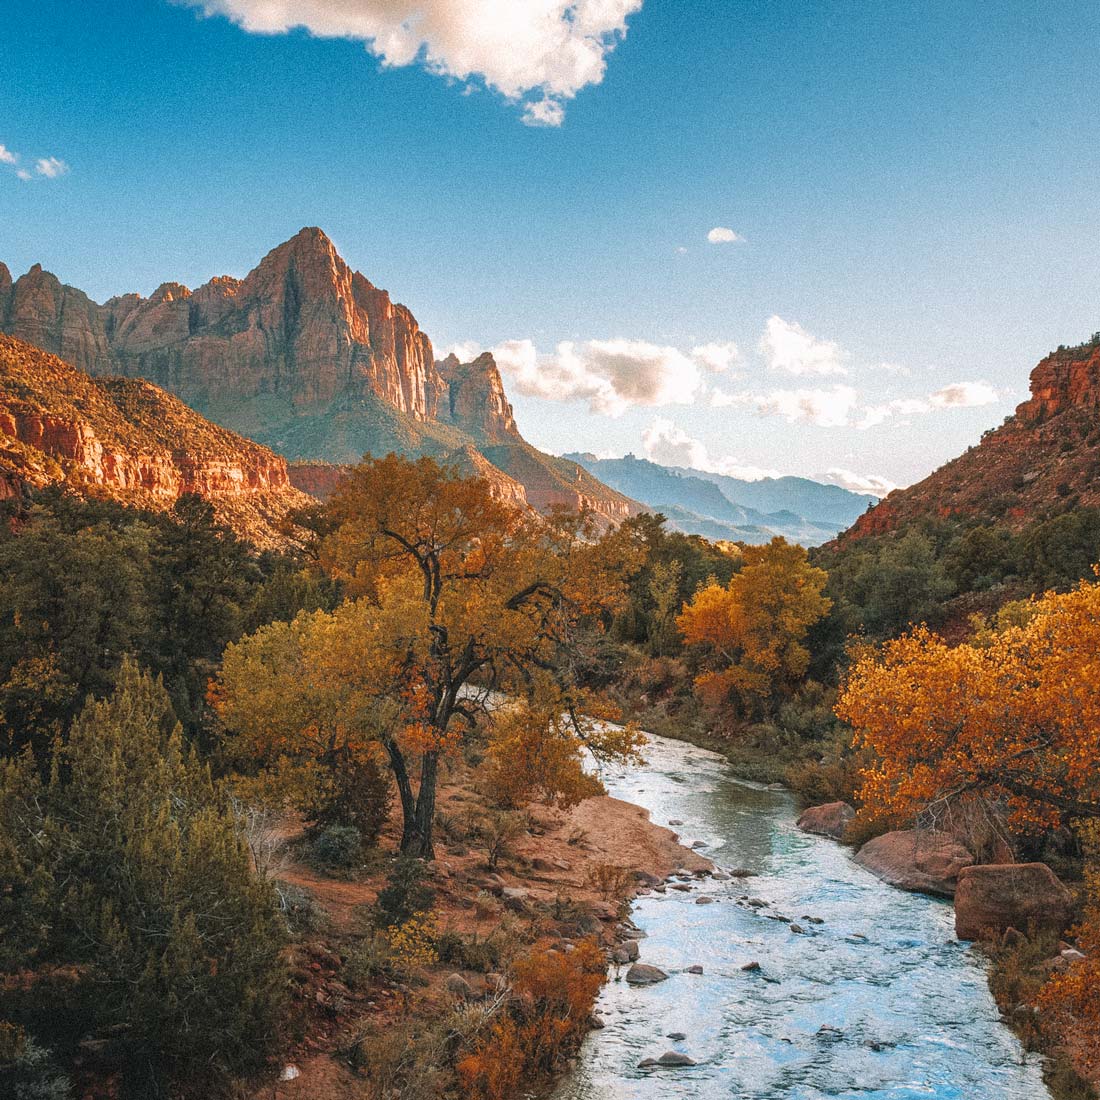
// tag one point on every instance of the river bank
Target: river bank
(564, 876)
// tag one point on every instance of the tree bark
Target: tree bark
(405, 792)
(421, 840)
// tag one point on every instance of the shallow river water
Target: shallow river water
(905, 1009)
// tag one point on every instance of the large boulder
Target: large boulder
(831, 819)
(916, 859)
(998, 896)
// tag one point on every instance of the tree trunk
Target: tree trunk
(405, 792)
(420, 843)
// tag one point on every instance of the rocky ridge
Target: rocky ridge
(1046, 455)
(128, 439)
(307, 357)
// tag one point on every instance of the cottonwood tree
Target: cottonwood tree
(453, 596)
(751, 631)
(1010, 721)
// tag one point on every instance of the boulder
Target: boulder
(644, 974)
(830, 820)
(992, 898)
(626, 952)
(916, 859)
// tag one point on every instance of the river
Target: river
(878, 1002)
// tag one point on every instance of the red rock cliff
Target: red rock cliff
(1046, 456)
(132, 441)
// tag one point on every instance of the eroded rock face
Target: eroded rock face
(830, 819)
(916, 859)
(129, 437)
(1045, 452)
(995, 897)
(310, 358)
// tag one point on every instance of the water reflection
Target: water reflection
(876, 1002)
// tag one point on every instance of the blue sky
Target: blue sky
(913, 186)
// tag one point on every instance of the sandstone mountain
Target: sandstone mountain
(1044, 458)
(309, 358)
(128, 439)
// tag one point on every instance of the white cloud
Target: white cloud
(721, 235)
(7, 156)
(825, 408)
(669, 445)
(871, 484)
(24, 175)
(544, 112)
(549, 49)
(786, 346)
(963, 395)
(610, 375)
(899, 406)
(681, 250)
(716, 357)
(956, 395)
(50, 167)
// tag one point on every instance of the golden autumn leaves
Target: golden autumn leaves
(454, 599)
(753, 629)
(1011, 717)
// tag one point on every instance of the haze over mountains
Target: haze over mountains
(721, 507)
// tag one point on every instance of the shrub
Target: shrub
(405, 895)
(171, 938)
(546, 1019)
(356, 794)
(336, 846)
(27, 1072)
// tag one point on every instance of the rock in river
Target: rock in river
(992, 898)
(916, 859)
(830, 820)
(644, 974)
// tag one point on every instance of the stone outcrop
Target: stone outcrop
(995, 897)
(127, 439)
(1043, 458)
(916, 859)
(308, 357)
(830, 819)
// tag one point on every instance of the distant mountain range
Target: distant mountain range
(721, 507)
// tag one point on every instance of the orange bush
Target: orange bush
(553, 994)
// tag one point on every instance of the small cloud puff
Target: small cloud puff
(669, 445)
(720, 234)
(50, 167)
(870, 484)
(44, 167)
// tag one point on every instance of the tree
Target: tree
(130, 873)
(1009, 724)
(455, 595)
(751, 631)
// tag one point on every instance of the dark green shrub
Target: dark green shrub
(337, 846)
(406, 894)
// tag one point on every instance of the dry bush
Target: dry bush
(553, 994)
(612, 882)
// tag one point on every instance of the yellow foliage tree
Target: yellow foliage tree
(1011, 721)
(456, 596)
(752, 631)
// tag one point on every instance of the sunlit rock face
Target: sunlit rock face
(1044, 457)
(308, 357)
(128, 439)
